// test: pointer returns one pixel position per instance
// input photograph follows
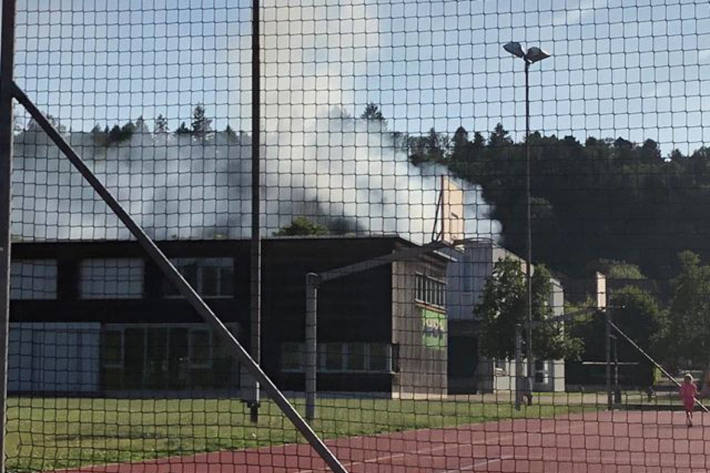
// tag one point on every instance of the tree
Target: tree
(183, 129)
(618, 269)
(649, 151)
(33, 126)
(416, 146)
(688, 336)
(622, 144)
(432, 147)
(478, 141)
(201, 125)
(128, 130)
(641, 316)
(99, 135)
(499, 137)
(638, 313)
(120, 133)
(141, 127)
(231, 134)
(460, 142)
(676, 155)
(302, 226)
(503, 306)
(161, 124)
(114, 136)
(372, 112)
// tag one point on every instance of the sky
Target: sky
(637, 69)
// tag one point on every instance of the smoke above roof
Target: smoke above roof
(347, 173)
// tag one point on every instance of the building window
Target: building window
(292, 357)
(467, 273)
(113, 349)
(421, 288)
(200, 353)
(33, 279)
(380, 358)
(157, 347)
(394, 359)
(332, 357)
(357, 357)
(210, 277)
(112, 278)
(542, 374)
(430, 291)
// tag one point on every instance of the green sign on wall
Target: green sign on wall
(434, 329)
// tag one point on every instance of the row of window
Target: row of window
(120, 278)
(339, 357)
(542, 369)
(430, 290)
(189, 345)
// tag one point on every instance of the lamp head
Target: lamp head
(536, 54)
(515, 49)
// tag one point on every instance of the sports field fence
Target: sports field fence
(353, 235)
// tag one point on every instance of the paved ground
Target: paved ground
(620, 441)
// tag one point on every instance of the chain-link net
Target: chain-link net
(414, 157)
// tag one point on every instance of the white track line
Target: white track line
(419, 452)
(476, 464)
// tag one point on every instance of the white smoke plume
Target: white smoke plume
(347, 174)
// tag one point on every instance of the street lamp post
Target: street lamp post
(532, 55)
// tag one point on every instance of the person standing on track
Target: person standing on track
(688, 391)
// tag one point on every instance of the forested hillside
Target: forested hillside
(601, 199)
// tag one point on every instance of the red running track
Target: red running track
(622, 441)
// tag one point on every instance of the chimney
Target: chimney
(451, 210)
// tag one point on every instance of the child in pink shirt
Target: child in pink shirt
(688, 392)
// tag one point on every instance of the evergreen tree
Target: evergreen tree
(478, 141)
(650, 152)
(231, 134)
(33, 126)
(432, 147)
(161, 124)
(183, 129)
(127, 131)
(114, 136)
(141, 127)
(100, 135)
(372, 112)
(201, 125)
(460, 141)
(499, 137)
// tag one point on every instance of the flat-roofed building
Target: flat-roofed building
(99, 317)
